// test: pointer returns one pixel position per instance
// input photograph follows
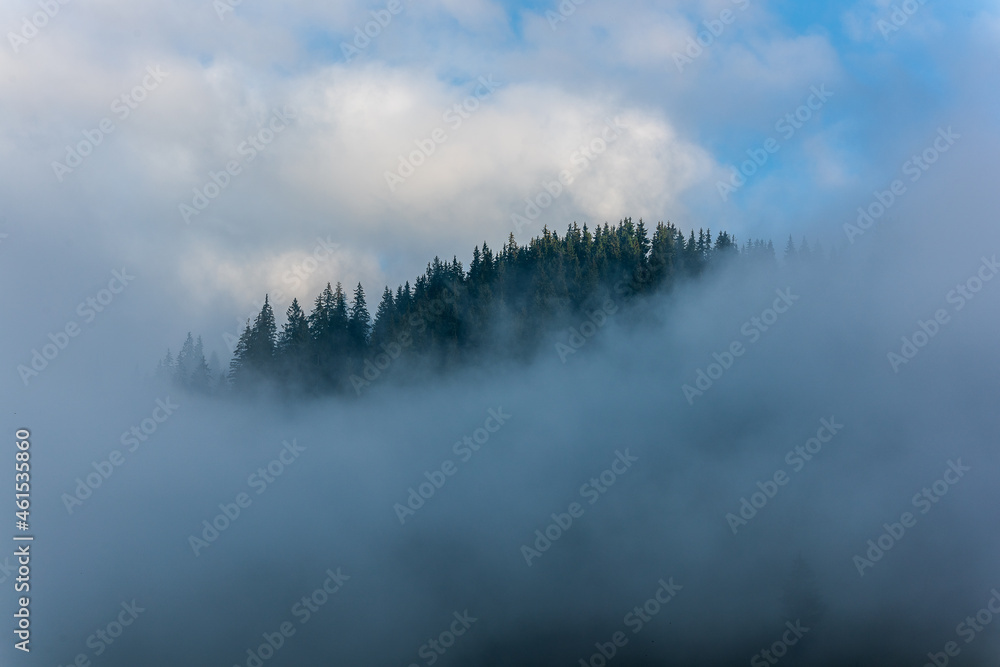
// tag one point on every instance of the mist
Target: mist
(772, 463)
(420, 503)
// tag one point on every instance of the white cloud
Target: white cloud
(325, 175)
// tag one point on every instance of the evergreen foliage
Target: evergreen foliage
(506, 300)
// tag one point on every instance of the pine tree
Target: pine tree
(384, 319)
(692, 255)
(254, 357)
(200, 378)
(643, 239)
(790, 252)
(238, 369)
(165, 369)
(338, 314)
(294, 338)
(449, 313)
(264, 337)
(320, 317)
(359, 322)
(186, 363)
(328, 330)
(725, 246)
(293, 348)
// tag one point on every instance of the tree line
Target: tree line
(506, 302)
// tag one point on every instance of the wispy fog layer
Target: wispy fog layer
(417, 507)
(785, 465)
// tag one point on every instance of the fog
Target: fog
(666, 524)
(787, 465)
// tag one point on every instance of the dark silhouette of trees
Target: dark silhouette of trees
(506, 301)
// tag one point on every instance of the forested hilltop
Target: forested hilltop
(504, 304)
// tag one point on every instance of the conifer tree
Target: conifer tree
(165, 369)
(321, 315)
(790, 252)
(359, 322)
(385, 315)
(692, 255)
(264, 336)
(200, 378)
(186, 362)
(338, 314)
(321, 331)
(643, 239)
(294, 337)
(238, 375)
(254, 357)
(294, 345)
(450, 314)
